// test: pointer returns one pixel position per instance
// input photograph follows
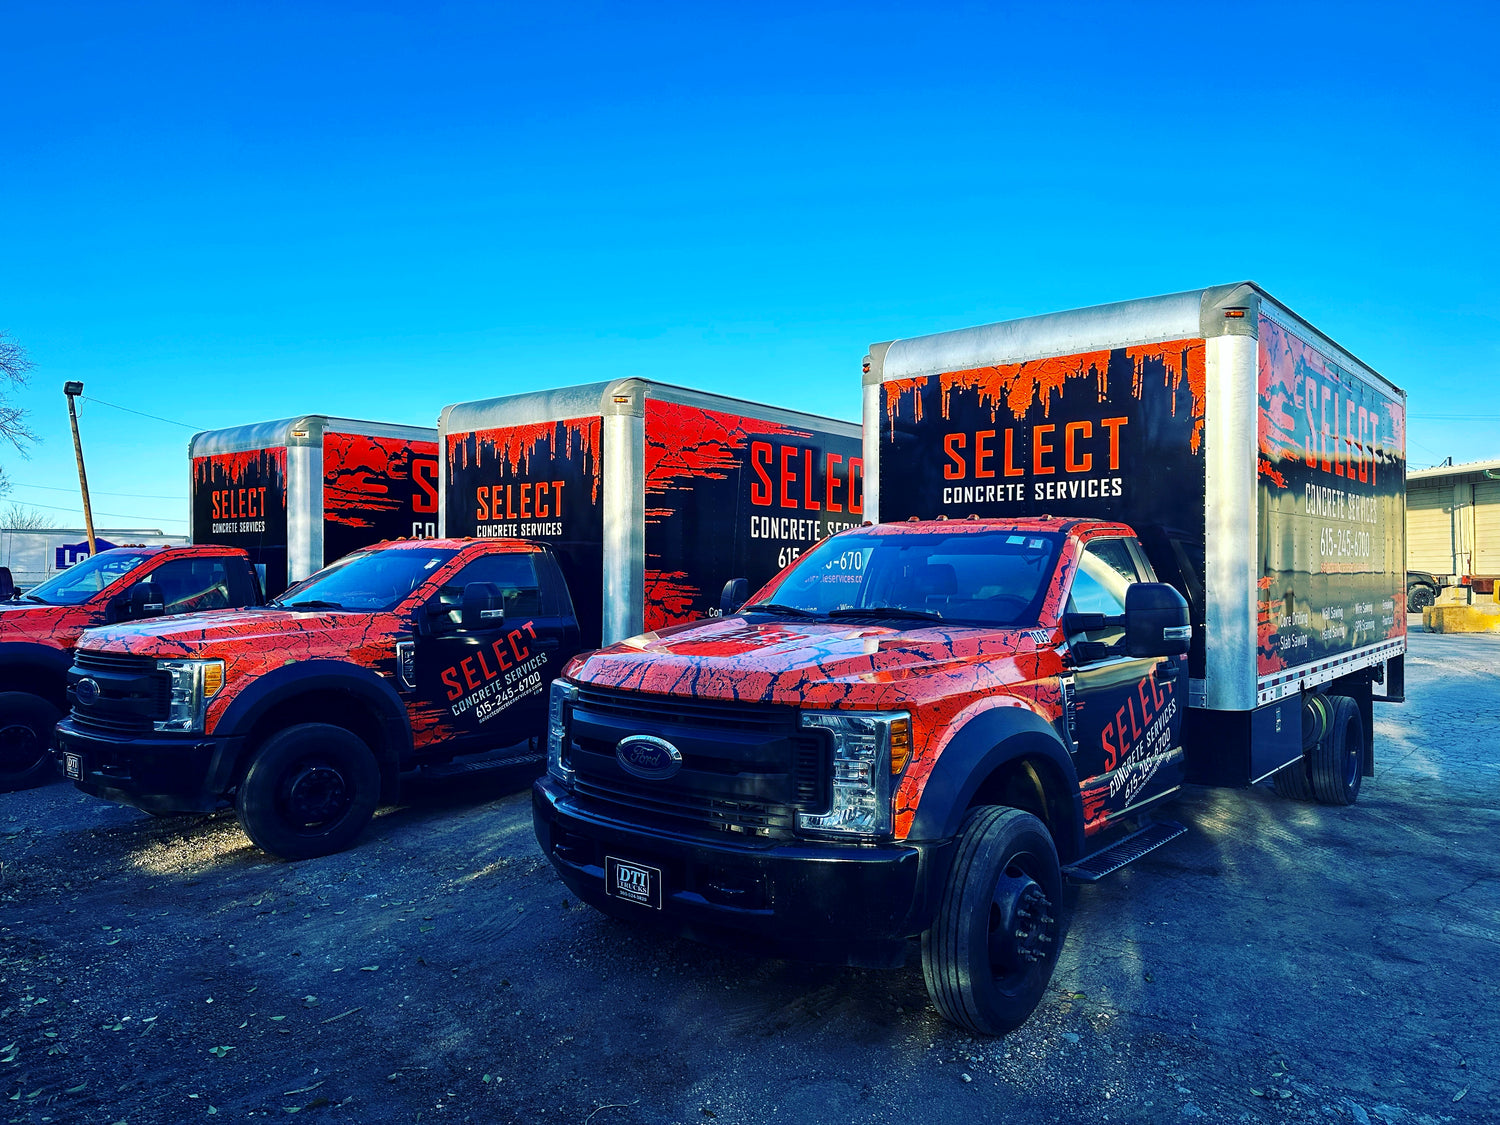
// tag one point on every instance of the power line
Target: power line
(112, 515)
(143, 414)
(96, 492)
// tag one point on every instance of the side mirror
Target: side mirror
(483, 606)
(7, 584)
(736, 593)
(1156, 621)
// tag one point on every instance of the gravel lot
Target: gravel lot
(1280, 962)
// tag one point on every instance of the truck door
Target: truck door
(1127, 712)
(489, 678)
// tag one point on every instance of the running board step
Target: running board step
(482, 765)
(1092, 868)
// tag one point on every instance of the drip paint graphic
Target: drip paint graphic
(265, 467)
(366, 478)
(516, 447)
(1019, 387)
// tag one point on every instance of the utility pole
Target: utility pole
(72, 390)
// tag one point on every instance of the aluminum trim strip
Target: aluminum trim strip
(1287, 682)
(1231, 522)
(871, 443)
(624, 575)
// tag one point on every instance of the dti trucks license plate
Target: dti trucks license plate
(73, 766)
(633, 882)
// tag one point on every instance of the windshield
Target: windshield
(83, 580)
(968, 578)
(366, 581)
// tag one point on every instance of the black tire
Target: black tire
(310, 790)
(26, 723)
(992, 949)
(1419, 597)
(1336, 761)
(1293, 782)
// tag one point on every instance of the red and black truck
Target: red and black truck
(301, 492)
(1126, 549)
(39, 629)
(303, 713)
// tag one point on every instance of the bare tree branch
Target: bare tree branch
(15, 372)
(18, 517)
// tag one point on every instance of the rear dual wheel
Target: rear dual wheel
(992, 949)
(1332, 765)
(310, 791)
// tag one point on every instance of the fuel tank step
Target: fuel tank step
(1106, 861)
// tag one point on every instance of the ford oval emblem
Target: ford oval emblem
(648, 757)
(86, 691)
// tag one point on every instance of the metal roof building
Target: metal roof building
(1453, 520)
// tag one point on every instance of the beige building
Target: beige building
(1453, 520)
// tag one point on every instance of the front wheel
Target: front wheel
(1419, 598)
(26, 723)
(992, 949)
(310, 790)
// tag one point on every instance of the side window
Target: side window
(191, 585)
(515, 574)
(1105, 569)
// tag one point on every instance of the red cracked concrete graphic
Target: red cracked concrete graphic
(364, 475)
(516, 447)
(685, 444)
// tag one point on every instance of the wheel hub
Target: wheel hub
(20, 749)
(314, 794)
(1023, 929)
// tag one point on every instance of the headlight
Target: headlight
(860, 802)
(563, 694)
(193, 684)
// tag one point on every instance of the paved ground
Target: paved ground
(1281, 962)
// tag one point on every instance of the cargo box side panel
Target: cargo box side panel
(729, 496)
(240, 500)
(540, 481)
(1332, 482)
(1109, 434)
(376, 488)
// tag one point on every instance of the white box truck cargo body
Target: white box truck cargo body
(299, 493)
(651, 496)
(1262, 465)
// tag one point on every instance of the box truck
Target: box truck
(651, 496)
(1121, 549)
(301, 492)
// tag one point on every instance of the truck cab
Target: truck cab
(39, 629)
(906, 734)
(303, 713)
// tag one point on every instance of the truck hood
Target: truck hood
(227, 632)
(804, 662)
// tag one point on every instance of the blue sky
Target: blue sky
(223, 213)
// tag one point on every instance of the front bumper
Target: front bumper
(837, 903)
(185, 773)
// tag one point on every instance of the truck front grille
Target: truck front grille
(747, 770)
(131, 695)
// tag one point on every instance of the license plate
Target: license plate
(634, 882)
(73, 766)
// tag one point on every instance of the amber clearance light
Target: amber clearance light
(900, 745)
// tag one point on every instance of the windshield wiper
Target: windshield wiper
(777, 607)
(34, 598)
(311, 603)
(887, 611)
